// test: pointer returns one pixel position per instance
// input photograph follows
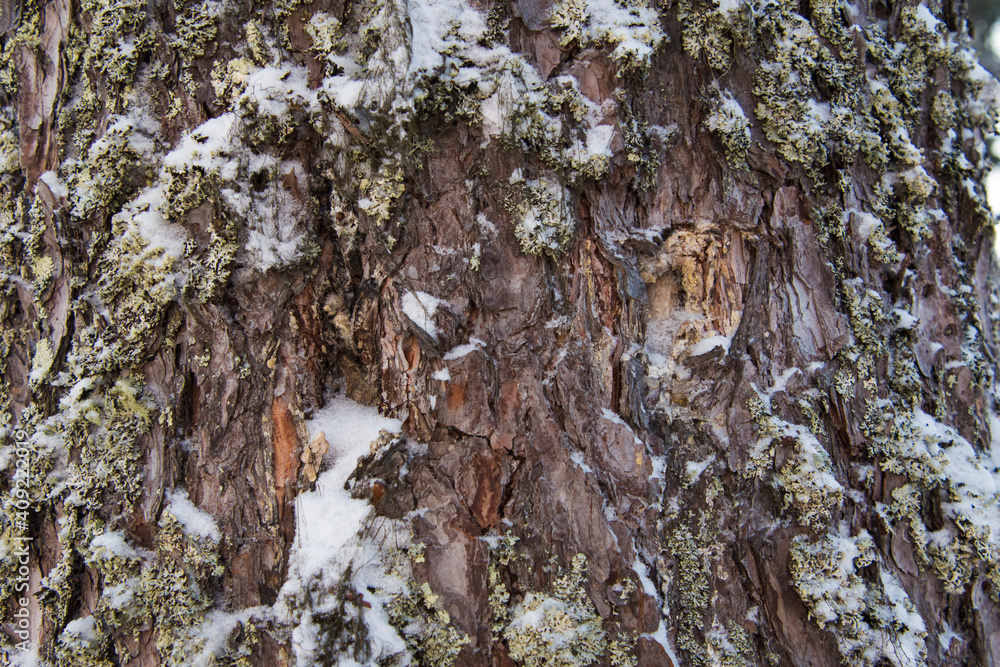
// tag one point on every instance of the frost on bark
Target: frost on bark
(526, 333)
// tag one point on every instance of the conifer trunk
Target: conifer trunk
(673, 329)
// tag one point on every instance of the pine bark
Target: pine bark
(709, 380)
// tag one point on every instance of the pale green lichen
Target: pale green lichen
(731, 125)
(621, 651)
(381, 192)
(550, 118)
(871, 623)
(693, 592)
(426, 626)
(833, 21)
(137, 285)
(558, 630)
(42, 361)
(569, 16)
(42, 269)
(843, 381)
(229, 78)
(706, 32)
(194, 30)
(324, 31)
(108, 172)
(85, 641)
(729, 646)
(171, 587)
(10, 149)
(260, 50)
(26, 37)
(806, 477)
(117, 39)
(546, 222)
(944, 111)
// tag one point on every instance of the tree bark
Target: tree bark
(523, 333)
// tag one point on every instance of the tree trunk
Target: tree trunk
(528, 333)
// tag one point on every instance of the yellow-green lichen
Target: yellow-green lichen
(425, 625)
(546, 222)
(557, 630)
(730, 124)
(693, 591)
(870, 621)
(729, 646)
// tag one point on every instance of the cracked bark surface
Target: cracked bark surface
(575, 421)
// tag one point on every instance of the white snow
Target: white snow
(115, 545)
(727, 7)
(274, 89)
(486, 224)
(84, 628)
(909, 645)
(194, 520)
(29, 658)
(151, 226)
(205, 145)
(866, 223)
(616, 418)
(931, 21)
(55, 184)
(660, 636)
(461, 350)
(635, 29)
(599, 139)
(780, 384)
(438, 26)
(330, 537)
(905, 319)
(706, 345)
(577, 458)
(442, 375)
(947, 636)
(693, 469)
(420, 308)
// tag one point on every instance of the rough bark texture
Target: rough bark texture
(686, 311)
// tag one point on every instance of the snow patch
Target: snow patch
(420, 308)
(330, 536)
(461, 350)
(195, 521)
(706, 345)
(693, 469)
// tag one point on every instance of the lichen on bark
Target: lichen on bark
(679, 317)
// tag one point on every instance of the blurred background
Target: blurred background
(985, 17)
